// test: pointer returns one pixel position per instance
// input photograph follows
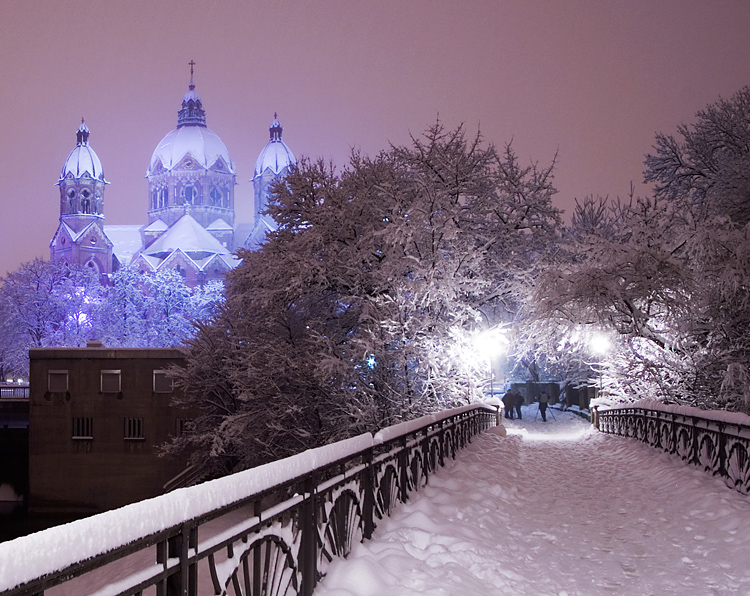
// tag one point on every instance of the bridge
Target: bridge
(282, 528)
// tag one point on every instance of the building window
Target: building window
(110, 381)
(133, 429)
(162, 383)
(189, 194)
(57, 381)
(182, 426)
(83, 428)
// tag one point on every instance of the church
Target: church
(191, 217)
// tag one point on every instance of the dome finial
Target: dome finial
(192, 112)
(275, 129)
(82, 134)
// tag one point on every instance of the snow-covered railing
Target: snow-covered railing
(715, 440)
(268, 530)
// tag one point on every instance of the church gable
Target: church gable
(220, 165)
(63, 238)
(188, 163)
(93, 237)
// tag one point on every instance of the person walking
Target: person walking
(543, 401)
(509, 401)
(518, 402)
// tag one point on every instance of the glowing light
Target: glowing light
(491, 342)
(600, 343)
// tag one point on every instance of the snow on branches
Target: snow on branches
(353, 314)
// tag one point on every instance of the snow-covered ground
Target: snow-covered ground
(557, 509)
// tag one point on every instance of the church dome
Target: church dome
(275, 155)
(83, 159)
(191, 137)
(201, 143)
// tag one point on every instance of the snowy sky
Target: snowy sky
(591, 80)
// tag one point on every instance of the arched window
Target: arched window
(217, 196)
(189, 194)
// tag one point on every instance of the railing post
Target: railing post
(368, 504)
(722, 451)
(441, 444)
(257, 562)
(308, 553)
(403, 464)
(177, 582)
(696, 459)
(426, 454)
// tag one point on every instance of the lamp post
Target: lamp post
(600, 345)
(490, 344)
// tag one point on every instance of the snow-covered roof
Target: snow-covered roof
(275, 155)
(83, 159)
(219, 225)
(126, 240)
(157, 226)
(201, 143)
(187, 235)
(263, 226)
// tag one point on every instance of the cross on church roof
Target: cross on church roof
(192, 64)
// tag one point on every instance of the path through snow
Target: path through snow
(557, 508)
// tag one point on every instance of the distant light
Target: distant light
(600, 343)
(491, 343)
(371, 361)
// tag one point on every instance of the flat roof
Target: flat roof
(105, 353)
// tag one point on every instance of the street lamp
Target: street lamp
(490, 344)
(600, 345)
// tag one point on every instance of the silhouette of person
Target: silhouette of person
(509, 400)
(543, 401)
(518, 402)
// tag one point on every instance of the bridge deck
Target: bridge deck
(556, 508)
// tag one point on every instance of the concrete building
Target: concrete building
(97, 419)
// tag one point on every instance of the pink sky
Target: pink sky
(590, 80)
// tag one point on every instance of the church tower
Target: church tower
(191, 173)
(272, 164)
(80, 238)
(191, 181)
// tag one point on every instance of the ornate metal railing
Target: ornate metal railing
(717, 446)
(288, 520)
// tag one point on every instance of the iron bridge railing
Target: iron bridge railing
(717, 446)
(288, 519)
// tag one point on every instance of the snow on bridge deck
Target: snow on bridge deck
(558, 509)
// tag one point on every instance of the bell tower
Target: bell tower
(80, 238)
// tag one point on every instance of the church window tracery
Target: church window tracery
(217, 196)
(188, 194)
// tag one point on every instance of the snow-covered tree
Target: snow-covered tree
(669, 274)
(45, 304)
(705, 168)
(52, 304)
(358, 311)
